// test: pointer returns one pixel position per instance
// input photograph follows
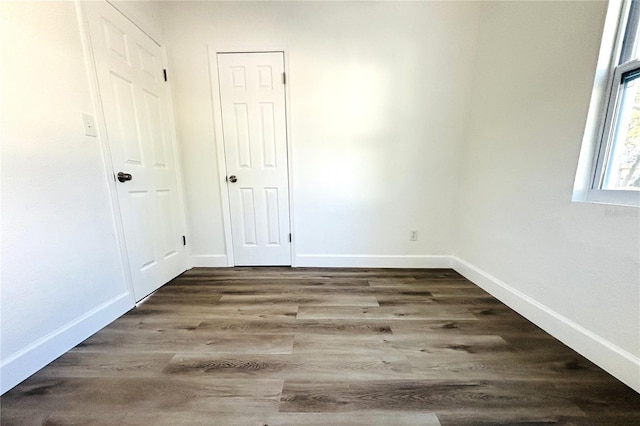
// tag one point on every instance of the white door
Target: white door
(131, 81)
(252, 97)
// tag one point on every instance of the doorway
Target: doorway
(254, 133)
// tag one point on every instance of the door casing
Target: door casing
(222, 167)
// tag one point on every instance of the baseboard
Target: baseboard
(371, 261)
(208, 261)
(610, 357)
(24, 363)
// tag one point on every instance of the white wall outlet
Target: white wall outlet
(413, 236)
(89, 124)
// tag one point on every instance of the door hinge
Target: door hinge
(284, 78)
(289, 237)
(164, 73)
(184, 240)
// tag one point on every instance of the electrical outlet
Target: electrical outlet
(413, 236)
(89, 124)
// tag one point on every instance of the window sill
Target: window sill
(616, 198)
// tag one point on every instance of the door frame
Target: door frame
(219, 141)
(103, 139)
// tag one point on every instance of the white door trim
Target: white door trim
(177, 159)
(92, 74)
(219, 141)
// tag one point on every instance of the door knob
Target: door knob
(232, 179)
(123, 177)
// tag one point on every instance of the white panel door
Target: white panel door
(130, 77)
(255, 142)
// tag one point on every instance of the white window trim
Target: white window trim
(592, 157)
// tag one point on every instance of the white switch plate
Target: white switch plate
(413, 236)
(89, 124)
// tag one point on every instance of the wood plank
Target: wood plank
(502, 366)
(258, 418)
(294, 326)
(514, 416)
(159, 323)
(361, 418)
(516, 326)
(442, 345)
(213, 292)
(199, 340)
(141, 394)
(427, 395)
(257, 310)
(91, 364)
(311, 300)
(396, 312)
(322, 367)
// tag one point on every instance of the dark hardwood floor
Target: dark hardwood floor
(273, 346)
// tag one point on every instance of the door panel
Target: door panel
(153, 110)
(252, 97)
(133, 95)
(124, 126)
(241, 135)
(273, 219)
(248, 209)
(268, 135)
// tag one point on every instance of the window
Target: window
(614, 113)
(619, 158)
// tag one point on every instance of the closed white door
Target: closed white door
(131, 82)
(252, 96)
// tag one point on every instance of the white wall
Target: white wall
(378, 104)
(62, 275)
(573, 268)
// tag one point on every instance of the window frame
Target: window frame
(603, 114)
(610, 118)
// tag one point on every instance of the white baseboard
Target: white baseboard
(27, 361)
(610, 357)
(208, 261)
(371, 261)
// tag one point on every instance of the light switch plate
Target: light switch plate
(89, 124)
